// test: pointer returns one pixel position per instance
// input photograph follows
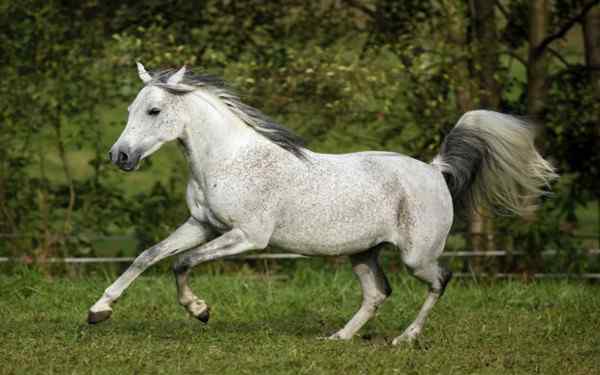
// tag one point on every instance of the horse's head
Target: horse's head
(163, 111)
(155, 117)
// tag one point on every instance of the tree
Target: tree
(51, 65)
(591, 36)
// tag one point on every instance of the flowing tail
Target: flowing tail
(489, 160)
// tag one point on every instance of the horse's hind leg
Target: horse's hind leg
(437, 277)
(375, 288)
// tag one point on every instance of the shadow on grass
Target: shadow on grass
(301, 324)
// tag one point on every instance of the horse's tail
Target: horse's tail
(489, 160)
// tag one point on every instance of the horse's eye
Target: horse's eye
(153, 111)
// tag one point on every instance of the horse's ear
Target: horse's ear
(176, 77)
(144, 75)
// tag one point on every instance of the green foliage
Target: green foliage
(53, 76)
(154, 212)
(573, 130)
(384, 75)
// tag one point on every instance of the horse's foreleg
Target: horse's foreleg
(375, 288)
(190, 234)
(230, 243)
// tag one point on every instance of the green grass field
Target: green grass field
(271, 323)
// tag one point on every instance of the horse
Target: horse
(253, 184)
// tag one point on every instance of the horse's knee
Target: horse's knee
(147, 258)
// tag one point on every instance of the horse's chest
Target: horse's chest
(204, 214)
(218, 223)
(199, 204)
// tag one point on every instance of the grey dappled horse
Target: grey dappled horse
(252, 184)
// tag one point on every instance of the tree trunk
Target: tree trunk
(537, 65)
(458, 36)
(467, 89)
(486, 36)
(46, 242)
(485, 33)
(539, 15)
(591, 41)
(67, 170)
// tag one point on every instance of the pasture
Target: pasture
(270, 323)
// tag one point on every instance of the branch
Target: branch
(552, 51)
(514, 56)
(362, 7)
(502, 9)
(573, 68)
(559, 56)
(565, 28)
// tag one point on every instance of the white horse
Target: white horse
(252, 184)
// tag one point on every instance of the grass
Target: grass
(270, 324)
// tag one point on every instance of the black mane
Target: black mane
(251, 116)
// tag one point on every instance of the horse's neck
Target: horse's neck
(214, 136)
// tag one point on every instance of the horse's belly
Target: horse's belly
(325, 244)
(328, 229)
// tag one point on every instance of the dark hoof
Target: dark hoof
(97, 317)
(204, 316)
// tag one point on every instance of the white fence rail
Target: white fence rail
(453, 254)
(450, 254)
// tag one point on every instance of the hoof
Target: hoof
(405, 339)
(338, 337)
(402, 340)
(98, 316)
(199, 310)
(204, 316)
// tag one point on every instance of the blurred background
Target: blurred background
(346, 75)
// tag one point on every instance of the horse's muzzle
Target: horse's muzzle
(124, 157)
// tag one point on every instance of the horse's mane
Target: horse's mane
(251, 116)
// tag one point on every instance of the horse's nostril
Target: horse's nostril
(122, 157)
